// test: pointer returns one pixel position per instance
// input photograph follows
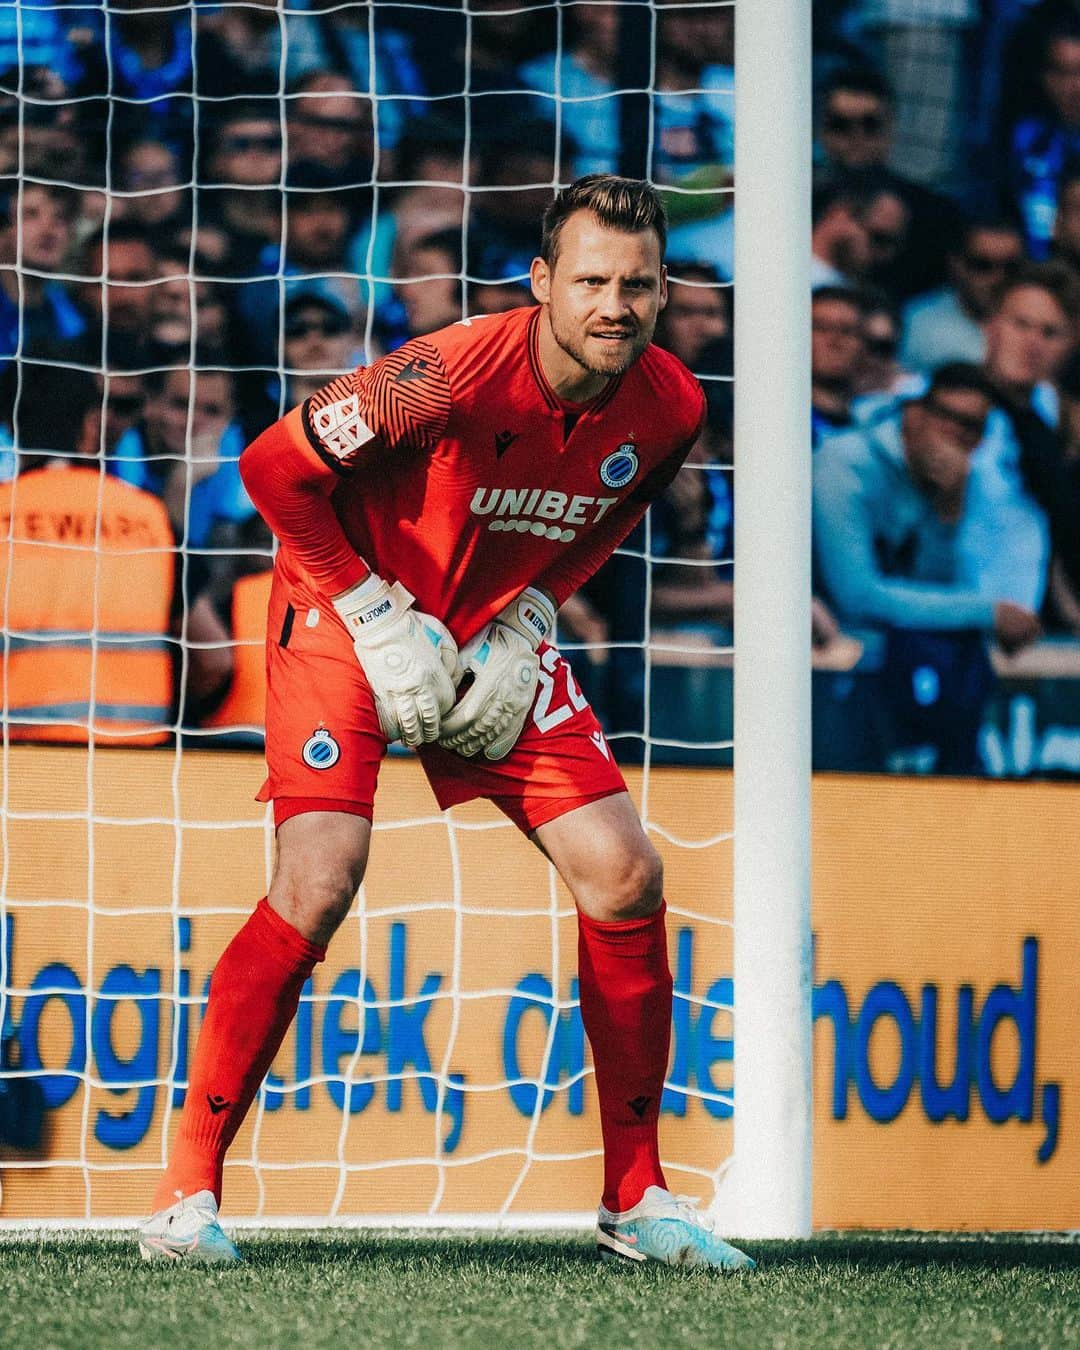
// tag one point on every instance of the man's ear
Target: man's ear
(540, 280)
(663, 288)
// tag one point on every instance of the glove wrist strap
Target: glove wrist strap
(371, 605)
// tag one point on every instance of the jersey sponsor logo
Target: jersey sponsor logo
(503, 441)
(320, 750)
(545, 514)
(414, 369)
(620, 467)
(340, 428)
(597, 739)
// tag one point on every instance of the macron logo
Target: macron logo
(340, 427)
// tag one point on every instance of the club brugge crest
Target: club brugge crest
(620, 466)
(320, 750)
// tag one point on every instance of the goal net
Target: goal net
(209, 212)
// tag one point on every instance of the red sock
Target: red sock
(626, 1008)
(254, 994)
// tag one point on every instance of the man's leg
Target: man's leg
(616, 878)
(255, 990)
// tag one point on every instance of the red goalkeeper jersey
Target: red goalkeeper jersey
(452, 466)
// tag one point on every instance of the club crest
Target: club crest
(320, 750)
(619, 468)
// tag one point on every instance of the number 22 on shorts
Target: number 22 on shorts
(571, 701)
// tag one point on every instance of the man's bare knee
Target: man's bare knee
(633, 887)
(321, 860)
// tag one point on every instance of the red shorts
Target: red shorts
(324, 744)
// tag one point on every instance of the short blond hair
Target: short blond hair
(628, 204)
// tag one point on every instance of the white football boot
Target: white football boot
(666, 1228)
(187, 1231)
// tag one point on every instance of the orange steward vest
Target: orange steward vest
(244, 705)
(86, 584)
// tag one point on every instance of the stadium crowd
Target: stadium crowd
(207, 213)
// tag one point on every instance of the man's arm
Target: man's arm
(844, 543)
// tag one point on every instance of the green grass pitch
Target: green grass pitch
(304, 1290)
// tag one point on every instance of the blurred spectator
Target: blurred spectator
(856, 135)
(924, 46)
(1040, 146)
(1066, 245)
(500, 36)
(116, 409)
(947, 324)
(171, 330)
(148, 73)
(150, 172)
(346, 36)
(193, 432)
(242, 191)
(517, 177)
(1063, 607)
(858, 229)
(41, 131)
(428, 283)
(1016, 492)
(837, 349)
(889, 502)
(318, 343)
(37, 314)
(114, 577)
(118, 297)
(694, 116)
(239, 48)
(879, 372)
(584, 73)
(318, 224)
(697, 315)
(329, 125)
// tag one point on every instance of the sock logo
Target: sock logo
(639, 1105)
(216, 1104)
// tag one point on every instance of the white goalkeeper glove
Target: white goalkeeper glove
(409, 658)
(504, 665)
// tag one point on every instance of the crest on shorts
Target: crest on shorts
(618, 468)
(320, 750)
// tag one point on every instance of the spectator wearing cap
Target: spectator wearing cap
(856, 130)
(38, 317)
(948, 324)
(1041, 146)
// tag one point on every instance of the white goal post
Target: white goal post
(438, 1075)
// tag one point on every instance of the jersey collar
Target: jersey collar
(548, 394)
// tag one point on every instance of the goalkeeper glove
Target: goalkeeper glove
(409, 658)
(503, 662)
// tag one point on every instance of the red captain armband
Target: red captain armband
(334, 427)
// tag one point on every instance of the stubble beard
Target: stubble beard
(597, 361)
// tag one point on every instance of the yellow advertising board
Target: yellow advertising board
(438, 1063)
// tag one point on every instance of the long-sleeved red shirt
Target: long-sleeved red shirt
(451, 466)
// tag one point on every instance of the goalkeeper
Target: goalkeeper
(434, 510)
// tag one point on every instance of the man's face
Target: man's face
(945, 421)
(885, 221)
(316, 338)
(1061, 79)
(151, 169)
(129, 305)
(856, 129)
(46, 230)
(249, 153)
(123, 398)
(318, 226)
(986, 260)
(1028, 339)
(694, 317)
(202, 409)
(331, 127)
(603, 293)
(846, 240)
(836, 340)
